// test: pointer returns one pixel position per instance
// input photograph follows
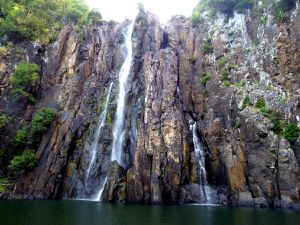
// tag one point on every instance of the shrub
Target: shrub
(3, 121)
(24, 162)
(197, 12)
(237, 123)
(280, 15)
(207, 47)
(275, 119)
(25, 76)
(42, 120)
(205, 78)
(224, 75)
(246, 102)
(260, 103)
(222, 61)
(21, 137)
(226, 83)
(291, 132)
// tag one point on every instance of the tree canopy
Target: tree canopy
(40, 20)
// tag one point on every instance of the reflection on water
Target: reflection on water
(94, 213)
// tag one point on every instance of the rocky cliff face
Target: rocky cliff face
(180, 74)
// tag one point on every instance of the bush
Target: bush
(197, 12)
(25, 76)
(207, 47)
(246, 102)
(21, 137)
(291, 132)
(260, 103)
(205, 78)
(275, 119)
(3, 121)
(237, 123)
(24, 162)
(222, 61)
(224, 76)
(42, 120)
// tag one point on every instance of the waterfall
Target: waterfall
(206, 190)
(119, 123)
(94, 146)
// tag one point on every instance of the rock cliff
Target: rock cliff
(213, 74)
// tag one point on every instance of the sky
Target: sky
(118, 10)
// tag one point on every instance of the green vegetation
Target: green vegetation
(205, 78)
(291, 132)
(222, 61)
(260, 103)
(237, 123)
(240, 83)
(42, 120)
(24, 79)
(226, 83)
(207, 47)
(24, 162)
(3, 121)
(224, 76)
(40, 20)
(30, 134)
(246, 102)
(228, 7)
(21, 137)
(197, 12)
(4, 182)
(109, 120)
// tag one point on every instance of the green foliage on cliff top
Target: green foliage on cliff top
(40, 20)
(26, 161)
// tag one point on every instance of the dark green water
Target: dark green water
(93, 213)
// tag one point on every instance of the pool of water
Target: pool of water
(95, 213)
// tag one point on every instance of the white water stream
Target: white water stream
(95, 144)
(119, 124)
(206, 191)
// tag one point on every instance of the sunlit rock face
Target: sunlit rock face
(173, 83)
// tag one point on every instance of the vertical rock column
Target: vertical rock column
(158, 165)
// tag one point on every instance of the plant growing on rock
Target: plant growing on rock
(24, 162)
(205, 78)
(222, 61)
(3, 121)
(21, 137)
(246, 102)
(42, 120)
(26, 77)
(207, 47)
(260, 103)
(291, 132)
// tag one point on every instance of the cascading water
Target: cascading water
(94, 146)
(206, 190)
(119, 124)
